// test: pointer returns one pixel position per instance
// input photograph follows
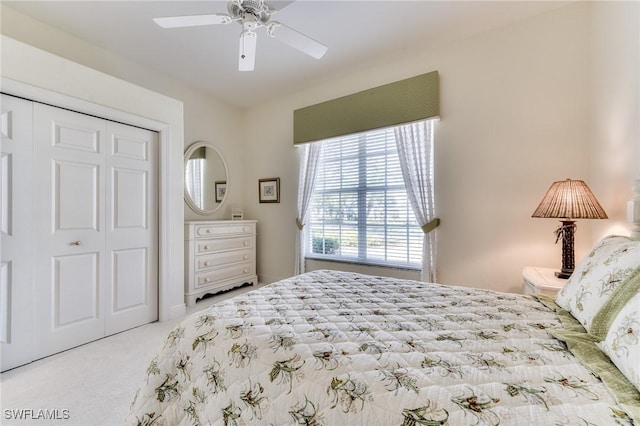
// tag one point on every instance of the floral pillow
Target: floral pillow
(622, 343)
(593, 281)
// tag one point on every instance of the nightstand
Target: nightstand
(541, 281)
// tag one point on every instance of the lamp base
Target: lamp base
(565, 232)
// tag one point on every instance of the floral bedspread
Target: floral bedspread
(333, 348)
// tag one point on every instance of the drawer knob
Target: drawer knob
(206, 247)
(74, 243)
(246, 243)
(207, 263)
(207, 280)
(245, 257)
(245, 270)
(208, 231)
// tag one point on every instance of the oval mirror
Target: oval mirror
(205, 177)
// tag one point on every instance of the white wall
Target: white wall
(615, 109)
(205, 118)
(514, 118)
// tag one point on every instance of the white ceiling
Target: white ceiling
(355, 32)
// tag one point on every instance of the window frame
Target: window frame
(363, 224)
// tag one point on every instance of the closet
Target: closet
(79, 226)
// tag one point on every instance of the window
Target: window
(359, 208)
(194, 179)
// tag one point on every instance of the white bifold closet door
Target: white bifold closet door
(96, 228)
(16, 233)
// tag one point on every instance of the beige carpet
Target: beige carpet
(94, 383)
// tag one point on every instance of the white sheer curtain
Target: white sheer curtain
(415, 150)
(309, 157)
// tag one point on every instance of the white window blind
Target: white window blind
(359, 208)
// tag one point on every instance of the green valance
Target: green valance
(404, 101)
(199, 153)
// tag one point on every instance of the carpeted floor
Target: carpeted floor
(92, 384)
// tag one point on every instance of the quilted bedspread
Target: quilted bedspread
(334, 348)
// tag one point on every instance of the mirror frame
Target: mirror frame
(187, 155)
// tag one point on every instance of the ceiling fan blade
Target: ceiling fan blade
(279, 4)
(247, 53)
(296, 40)
(192, 20)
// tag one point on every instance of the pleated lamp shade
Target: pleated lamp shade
(570, 199)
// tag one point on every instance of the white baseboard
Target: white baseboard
(177, 311)
(268, 279)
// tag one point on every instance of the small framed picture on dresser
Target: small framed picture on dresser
(269, 190)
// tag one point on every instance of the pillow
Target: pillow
(622, 343)
(595, 278)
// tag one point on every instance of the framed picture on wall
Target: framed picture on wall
(221, 190)
(269, 190)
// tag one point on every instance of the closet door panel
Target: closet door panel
(70, 224)
(129, 278)
(76, 287)
(76, 188)
(16, 232)
(130, 196)
(132, 227)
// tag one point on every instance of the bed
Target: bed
(336, 348)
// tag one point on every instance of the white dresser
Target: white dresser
(219, 255)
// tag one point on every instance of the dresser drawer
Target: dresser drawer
(226, 244)
(207, 231)
(208, 279)
(220, 259)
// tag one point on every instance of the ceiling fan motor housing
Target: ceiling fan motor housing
(246, 9)
(249, 23)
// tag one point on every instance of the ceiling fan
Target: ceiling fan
(251, 14)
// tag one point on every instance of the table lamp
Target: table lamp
(568, 200)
